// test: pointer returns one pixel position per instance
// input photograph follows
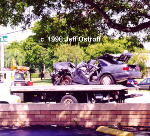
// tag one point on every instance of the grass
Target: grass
(38, 81)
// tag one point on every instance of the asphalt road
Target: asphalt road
(48, 131)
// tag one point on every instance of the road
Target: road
(138, 96)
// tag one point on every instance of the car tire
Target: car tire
(66, 80)
(106, 80)
(69, 99)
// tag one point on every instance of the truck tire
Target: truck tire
(68, 99)
(106, 80)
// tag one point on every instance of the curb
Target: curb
(111, 131)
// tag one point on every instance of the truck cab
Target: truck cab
(15, 76)
(6, 81)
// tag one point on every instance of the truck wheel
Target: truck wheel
(106, 80)
(68, 99)
(66, 80)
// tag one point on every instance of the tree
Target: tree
(57, 30)
(69, 53)
(130, 43)
(99, 49)
(14, 55)
(140, 58)
(125, 16)
(113, 46)
(36, 55)
(133, 16)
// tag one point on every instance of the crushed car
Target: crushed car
(67, 73)
(104, 70)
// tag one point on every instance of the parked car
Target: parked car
(104, 70)
(145, 84)
(131, 83)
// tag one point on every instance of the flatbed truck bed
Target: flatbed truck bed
(71, 93)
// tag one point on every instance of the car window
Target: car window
(148, 80)
(19, 76)
(103, 63)
(144, 81)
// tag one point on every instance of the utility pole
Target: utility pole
(3, 39)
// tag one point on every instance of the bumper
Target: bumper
(127, 75)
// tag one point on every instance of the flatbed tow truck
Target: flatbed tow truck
(71, 93)
(61, 93)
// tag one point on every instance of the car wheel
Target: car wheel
(68, 99)
(106, 79)
(66, 80)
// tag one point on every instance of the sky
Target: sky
(14, 34)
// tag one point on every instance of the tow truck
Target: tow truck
(11, 77)
(64, 93)
(5, 88)
(71, 93)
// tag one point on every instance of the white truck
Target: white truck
(6, 96)
(6, 78)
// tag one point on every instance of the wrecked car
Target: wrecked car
(104, 70)
(116, 70)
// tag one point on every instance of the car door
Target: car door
(144, 84)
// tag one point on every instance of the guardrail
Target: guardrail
(86, 115)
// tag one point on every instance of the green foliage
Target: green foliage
(69, 53)
(106, 46)
(14, 55)
(140, 58)
(113, 46)
(100, 13)
(36, 55)
(47, 31)
(132, 43)
(55, 30)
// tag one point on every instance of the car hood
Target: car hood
(63, 65)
